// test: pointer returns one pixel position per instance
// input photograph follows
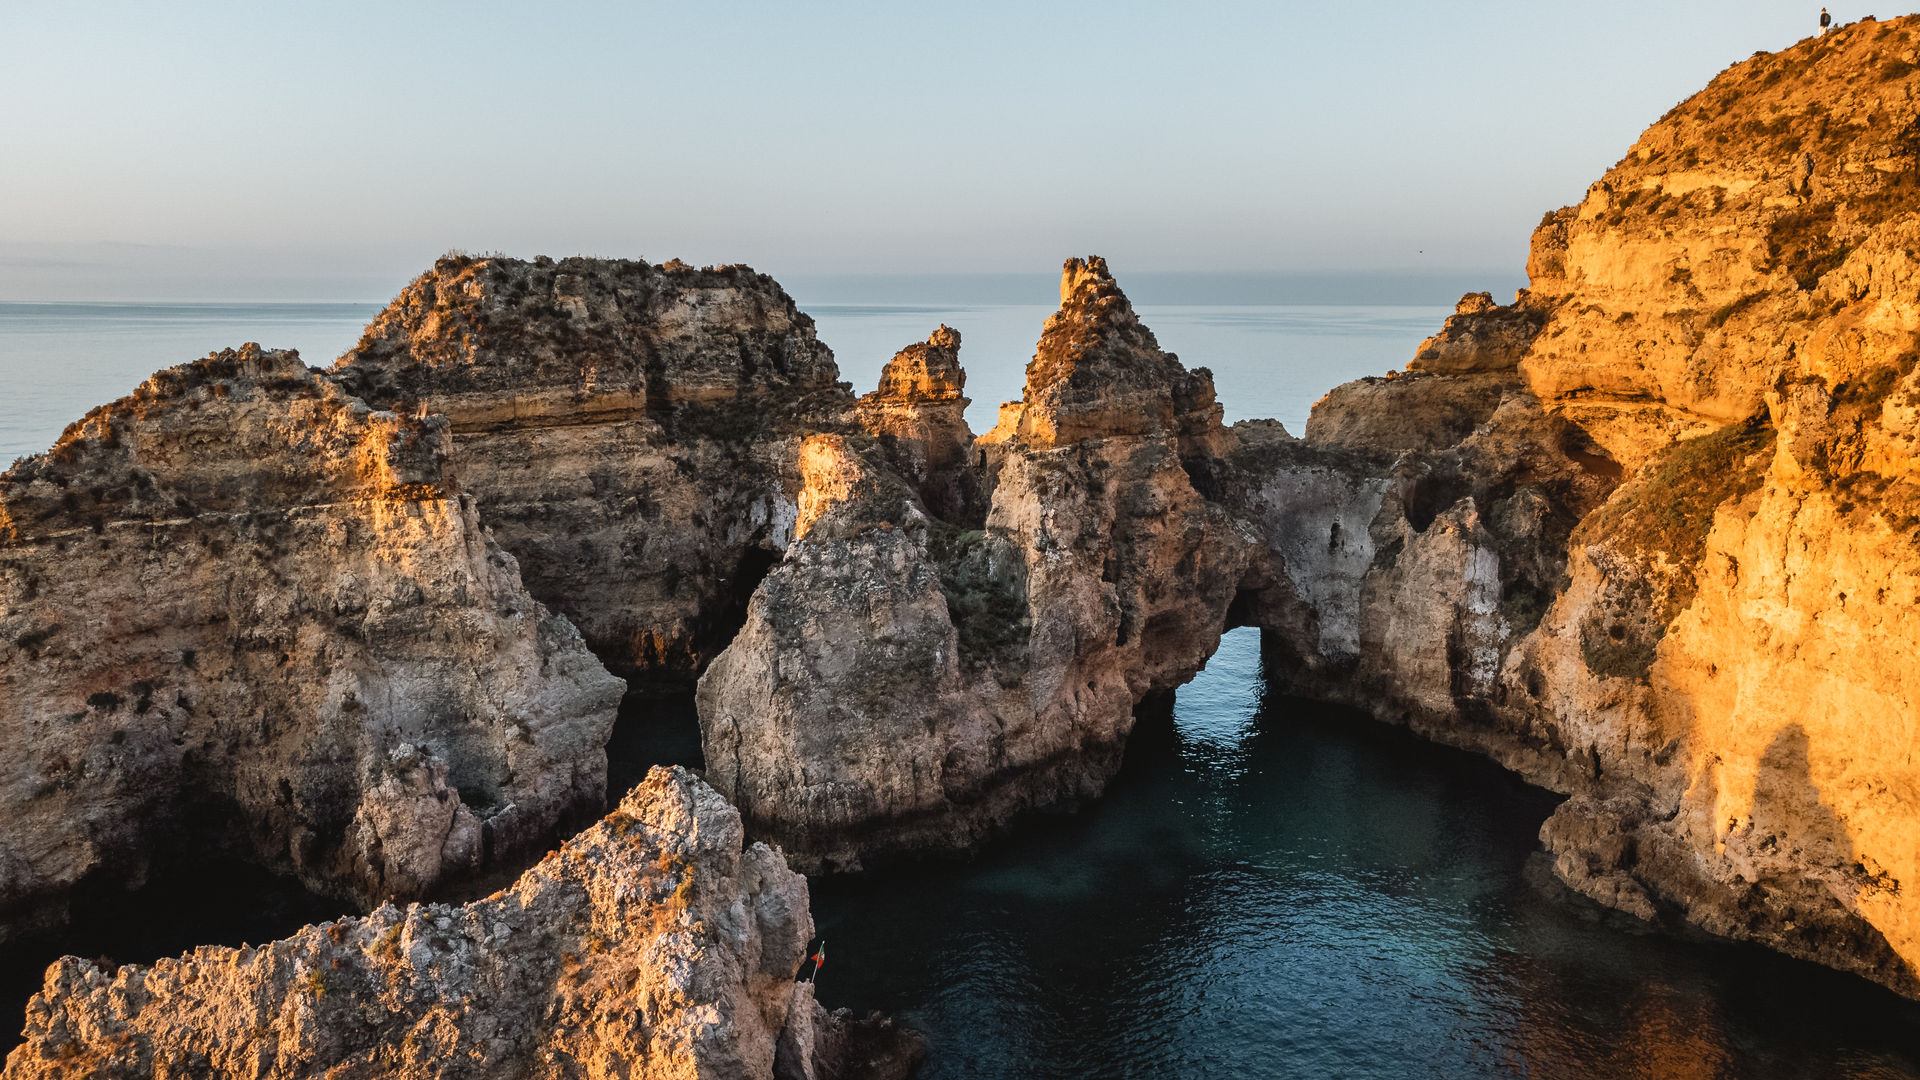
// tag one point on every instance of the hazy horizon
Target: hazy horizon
(222, 151)
(99, 281)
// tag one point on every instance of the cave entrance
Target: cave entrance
(655, 726)
(754, 566)
(657, 723)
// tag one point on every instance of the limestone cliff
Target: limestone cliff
(906, 681)
(1656, 540)
(630, 432)
(654, 944)
(241, 611)
(918, 414)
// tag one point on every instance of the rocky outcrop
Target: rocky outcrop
(1655, 540)
(242, 612)
(906, 682)
(630, 431)
(654, 944)
(919, 416)
(1454, 383)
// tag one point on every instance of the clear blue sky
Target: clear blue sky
(352, 138)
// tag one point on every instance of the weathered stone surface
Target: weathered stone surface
(652, 945)
(240, 611)
(1673, 572)
(1410, 411)
(1099, 373)
(905, 683)
(919, 415)
(630, 432)
(1479, 337)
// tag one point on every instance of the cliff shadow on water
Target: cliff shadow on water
(1276, 887)
(654, 727)
(185, 902)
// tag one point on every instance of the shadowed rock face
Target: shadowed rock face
(1655, 540)
(241, 611)
(651, 945)
(630, 432)
(906, 683)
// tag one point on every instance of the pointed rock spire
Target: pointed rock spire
(1099, 372)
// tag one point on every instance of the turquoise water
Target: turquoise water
(1273, 888)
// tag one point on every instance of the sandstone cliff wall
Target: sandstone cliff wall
(906, 681)
(241, 610)
(630, 432)
(1655, 542)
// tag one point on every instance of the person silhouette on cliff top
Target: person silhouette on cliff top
(1826, 20)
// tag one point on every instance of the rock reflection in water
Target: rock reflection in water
(1274, 888)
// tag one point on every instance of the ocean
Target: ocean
(1271, 888)
(57, 360)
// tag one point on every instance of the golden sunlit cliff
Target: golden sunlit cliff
(1672, 563)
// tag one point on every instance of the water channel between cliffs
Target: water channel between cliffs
(1276, 888)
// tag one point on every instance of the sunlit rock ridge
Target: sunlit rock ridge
(918, 670)
(655, 944)
(1652, 536)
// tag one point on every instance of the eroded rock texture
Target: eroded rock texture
(655, 944)
(240, 611)
(906, 681)
(1654, 538)
(630, 432)
(919, 416)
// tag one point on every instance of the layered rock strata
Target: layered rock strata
(918, 414)
(906, 681)
(655, 944)
(242, 612)
(631, 432)
(1655, 541)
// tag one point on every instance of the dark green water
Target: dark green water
(1277, 889)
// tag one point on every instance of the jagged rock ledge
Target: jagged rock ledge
(655, 944)
(943, 649)
(243, 612)
(630, 432)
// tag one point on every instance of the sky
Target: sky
(332, 150)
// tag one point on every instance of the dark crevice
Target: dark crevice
(652, 728)
(754, 566)
(1429, 495)
(186, 902)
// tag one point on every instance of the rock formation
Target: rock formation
(908, 681)
(919, 415)
(241, 611)
(630, 432)
(1648, 535)
(651, 945)
(1654, 539)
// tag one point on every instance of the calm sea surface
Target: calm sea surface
(1270, 889)
(57, 360)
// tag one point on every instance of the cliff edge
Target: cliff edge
(1656, 542)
